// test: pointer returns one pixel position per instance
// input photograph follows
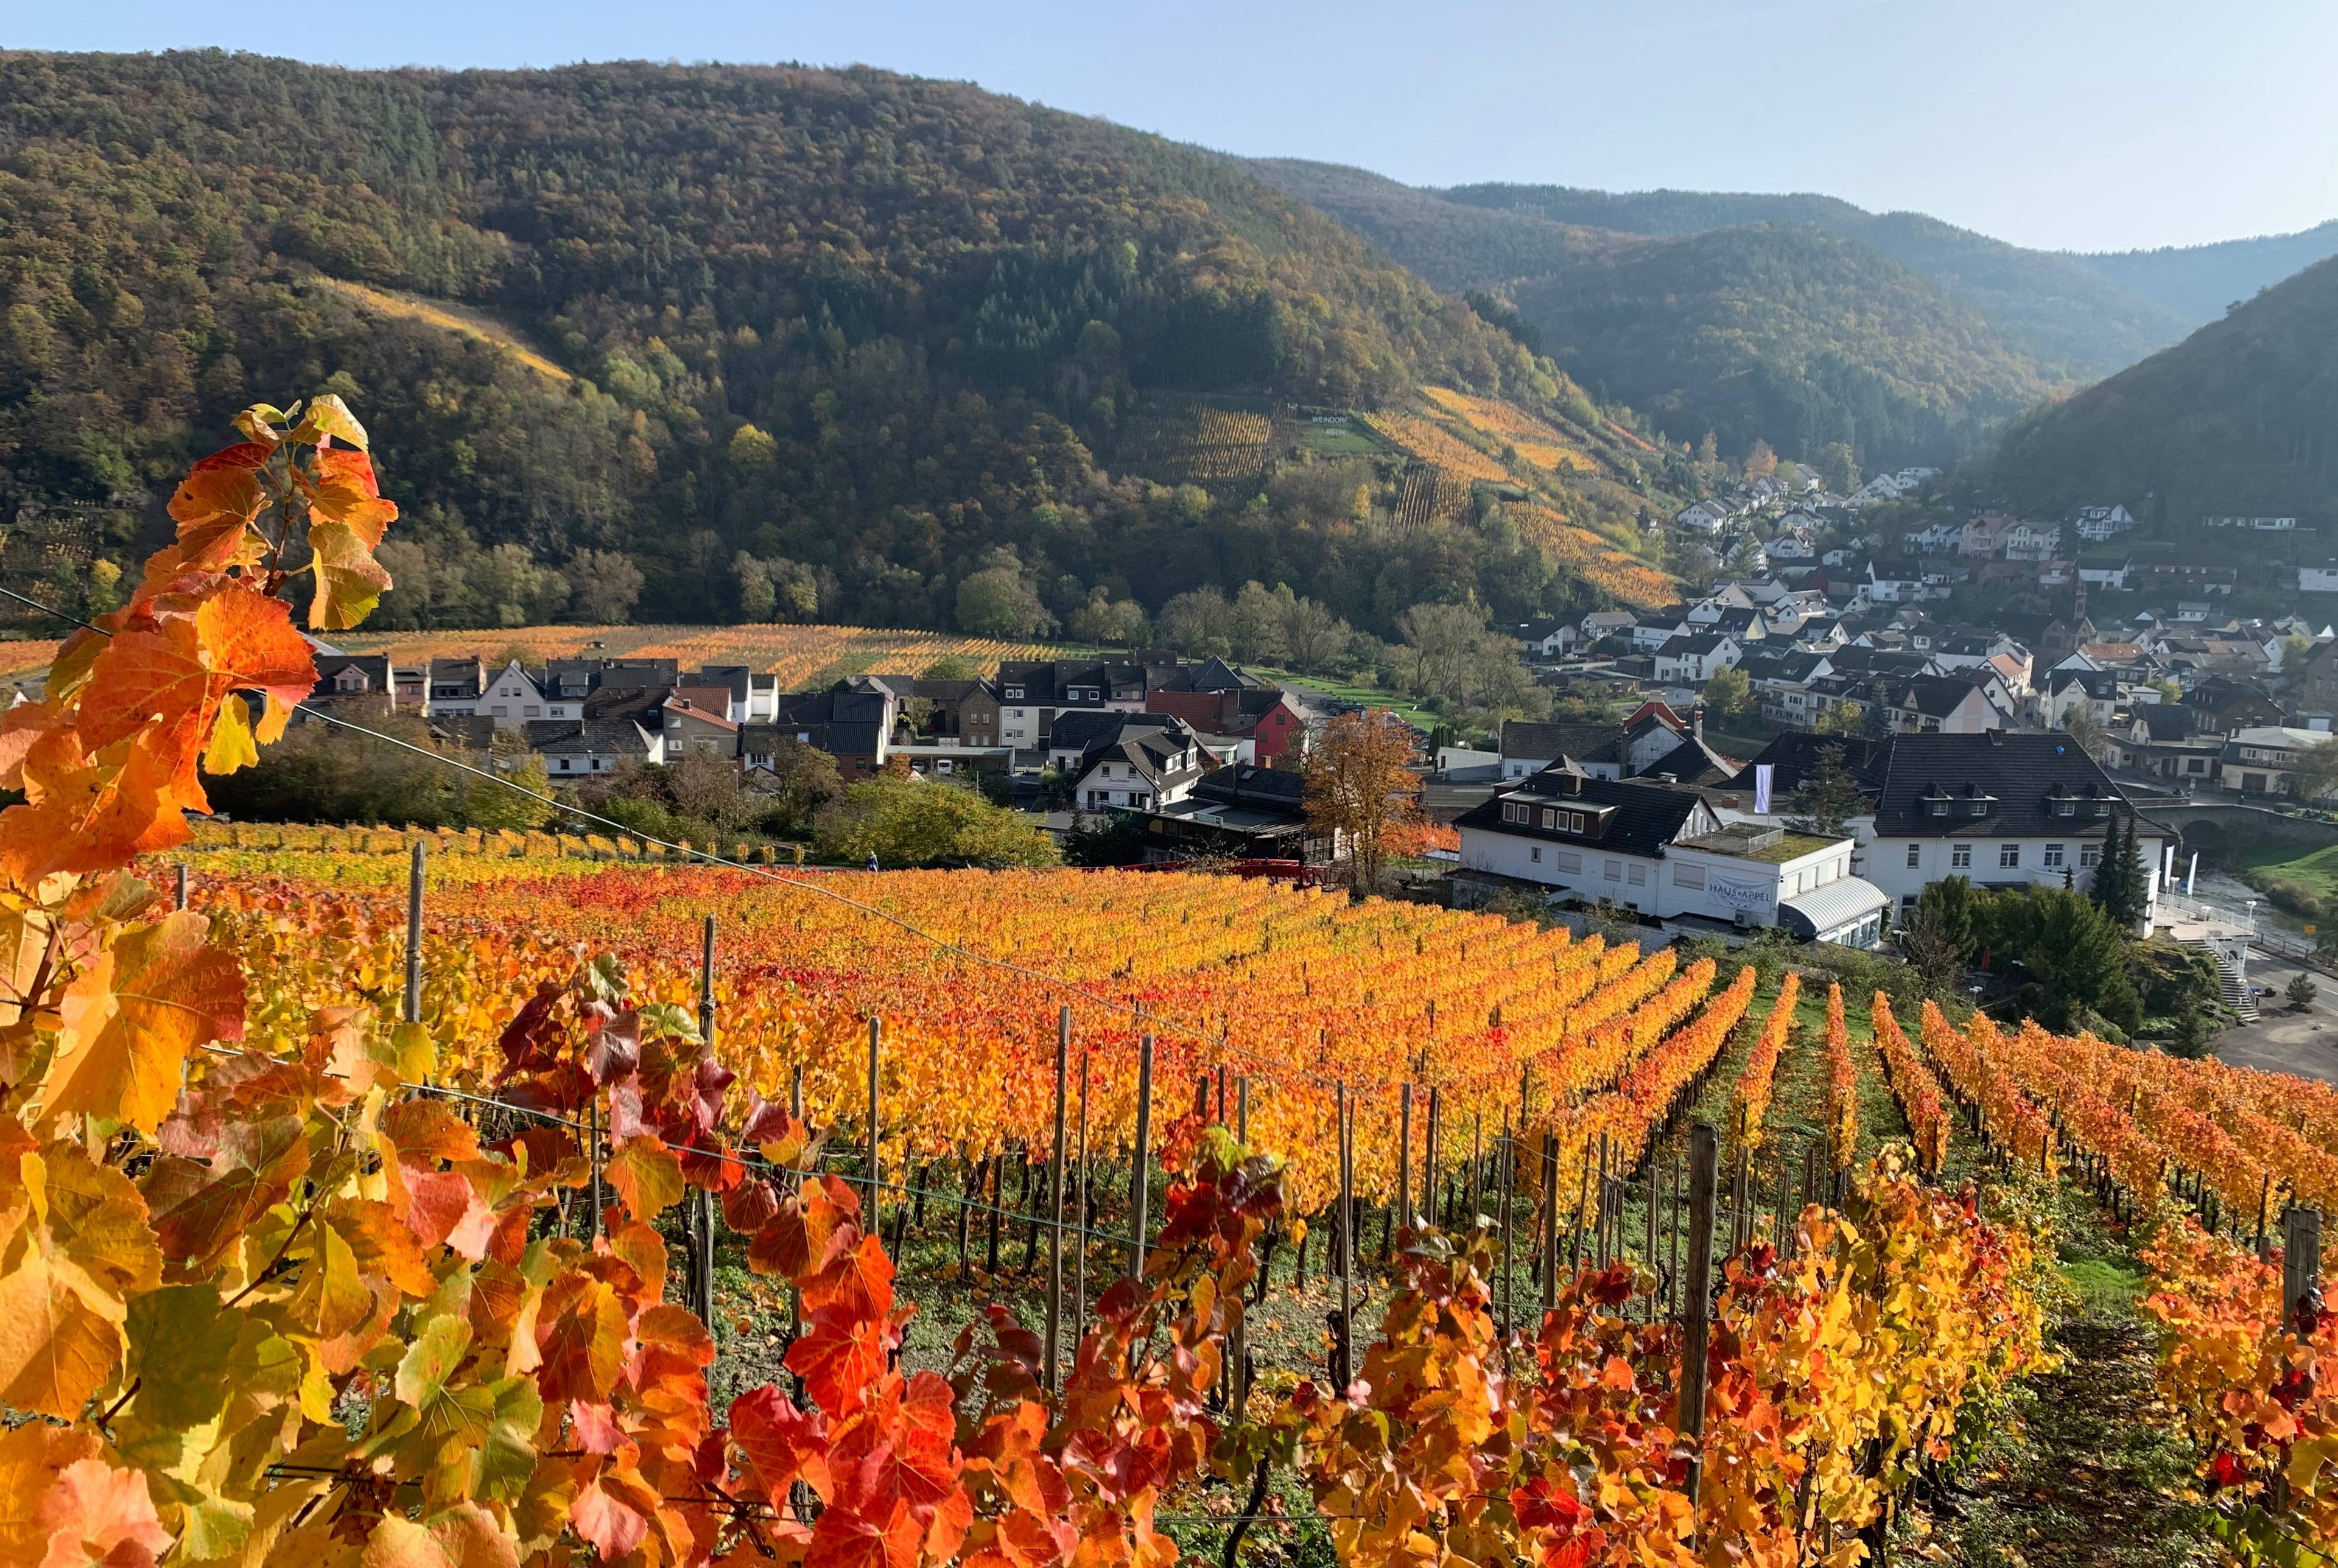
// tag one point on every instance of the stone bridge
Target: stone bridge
(2216, 828)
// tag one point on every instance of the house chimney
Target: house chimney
(1697, 721)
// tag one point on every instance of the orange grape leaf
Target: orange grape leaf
(251, 645)
(31, 1455)
(779, 1443)
(612, 1528)
(581, 1336)
(214, 506)
(383, 1245)
(94, 1514)
(89, 814)
(127, 1033)
(859, 1281)
(347, 515)
(845, 1539)
(199, 1212)
(839, 1356)
(55, 1348)
(464, 1536)
(646, 1175)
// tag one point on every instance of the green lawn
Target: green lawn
(2305, 885)
(1371, 696)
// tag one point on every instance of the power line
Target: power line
(944, 945)
(766, 874)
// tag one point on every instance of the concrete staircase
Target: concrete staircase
(2236, 990)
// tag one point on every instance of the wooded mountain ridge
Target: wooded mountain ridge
(2240, 420)
(822, 343)
(1799, 319)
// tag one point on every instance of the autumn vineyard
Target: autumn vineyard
(401, 1199)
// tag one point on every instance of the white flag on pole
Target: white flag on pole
(1762, 775)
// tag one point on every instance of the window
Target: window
(1939, 808)
(1614, 871)
(1536, 854)
(2062, 809)
(1639, 875)
(1915, 855)
(498, 712)
(1960, 857)
(2008, 855)
(2089, 855)
(1570, 861)
(564, 764)
(1512, 811)
(1549, 817)
(2053, 855)
(1686, 876)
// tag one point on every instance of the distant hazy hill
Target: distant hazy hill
(1786, 333)
(2053, 308)
(2199, 281)
(866, 329)
(2241, 417)
(1750, 317)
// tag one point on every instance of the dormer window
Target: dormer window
(1515, 811)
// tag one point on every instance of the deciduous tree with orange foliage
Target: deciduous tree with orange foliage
(1361, 790)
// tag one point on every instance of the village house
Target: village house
(2004, 810)
(1604, 750)
(1660, 850)
(1940, 705)
(1694, 660)
(579, 748)
(2095, 524)
(1143, 763)
(2258, 760)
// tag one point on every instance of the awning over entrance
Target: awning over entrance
(1849, 910)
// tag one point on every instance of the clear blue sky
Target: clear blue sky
(2090, 125)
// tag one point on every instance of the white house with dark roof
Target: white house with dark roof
(1694, 660)
(1140, 766)
(1662, 851)
(2004, 810)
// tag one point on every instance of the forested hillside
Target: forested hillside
(2239, 418)
(719, 340)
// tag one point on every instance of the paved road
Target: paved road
(2282, 1040)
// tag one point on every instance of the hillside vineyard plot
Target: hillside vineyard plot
(1297, 990)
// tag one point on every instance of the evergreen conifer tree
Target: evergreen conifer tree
(2119, 881)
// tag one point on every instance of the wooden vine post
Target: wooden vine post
(1055, 1197)
(413, 1012)
(1703, 1182)
(1139, 1180)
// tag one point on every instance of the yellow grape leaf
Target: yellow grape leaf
(349, 581)
(131, 1018)
(329, 416)
(231, 746)
(330, 1299)
(647, 1176)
